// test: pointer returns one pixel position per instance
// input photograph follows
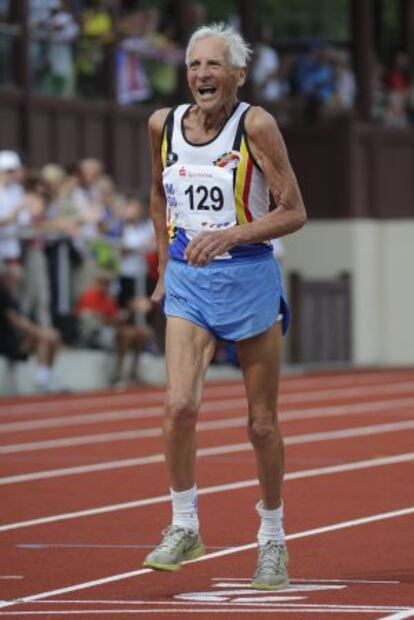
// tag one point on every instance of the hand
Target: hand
(141, 305)
(159, 291)
(206, 246)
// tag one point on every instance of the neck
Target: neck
(215, 120)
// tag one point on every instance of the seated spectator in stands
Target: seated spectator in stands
(12, 209)
(103, 325)
(19, 337)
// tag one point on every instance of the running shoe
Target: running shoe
(178, 545)
(271, 571)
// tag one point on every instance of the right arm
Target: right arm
(157, 198)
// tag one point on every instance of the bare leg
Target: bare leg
(189, 350)
(260, 362)
(48, 344)
(139, 336)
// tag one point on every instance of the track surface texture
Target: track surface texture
(84, 496)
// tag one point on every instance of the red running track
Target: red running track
(83, 495)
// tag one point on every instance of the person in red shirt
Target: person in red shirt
(103, 325)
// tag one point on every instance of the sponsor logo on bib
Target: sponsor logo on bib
(229, 160)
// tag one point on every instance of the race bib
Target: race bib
(199, 198)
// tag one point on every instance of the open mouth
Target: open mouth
(207, 91)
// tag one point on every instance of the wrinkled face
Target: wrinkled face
(213, 81)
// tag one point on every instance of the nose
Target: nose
(203, 71)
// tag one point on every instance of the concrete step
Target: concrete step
(84, 369)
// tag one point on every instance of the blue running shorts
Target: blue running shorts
(232, 299)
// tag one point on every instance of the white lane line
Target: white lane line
(401, 615)
(231, 486)
(285, 399)
(226, 388)
(308, 579)
(233, 422)
(207, 407)
(257, 607)
(11, 577)
(216, 554)
(360, 431)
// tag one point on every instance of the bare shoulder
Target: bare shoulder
(157, 120)
(260, 124)
(265, 140)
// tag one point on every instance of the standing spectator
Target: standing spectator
(96, 35)
(19, 336)
(36, 298)
(112, 204)
(164, 56)
(61, 31)
(132, 82)
(86, 197)
(11, 205)
(345, 82)
(265, 70)
(397, 76)
(314, 81)
(87, 202)
(136, 241)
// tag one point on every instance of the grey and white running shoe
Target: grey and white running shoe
(178, 545)
(271, 571)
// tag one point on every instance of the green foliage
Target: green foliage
(220, 10)
(304, 19)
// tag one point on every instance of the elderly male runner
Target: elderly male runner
(214, 163)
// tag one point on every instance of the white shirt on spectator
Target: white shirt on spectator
(11, 197)
(138, 240)
(264, 71)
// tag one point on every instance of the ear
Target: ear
(242, 76)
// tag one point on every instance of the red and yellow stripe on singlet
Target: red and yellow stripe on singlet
(164, 149)
(164, 152)
(242, 184)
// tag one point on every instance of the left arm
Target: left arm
(268, 148)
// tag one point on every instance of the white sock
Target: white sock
(43, 374)
(271, 525)
(184, 507)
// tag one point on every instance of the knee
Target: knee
(263, 429)
(180, 414)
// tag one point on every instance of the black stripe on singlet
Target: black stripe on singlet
(168, 132)
(237, 141)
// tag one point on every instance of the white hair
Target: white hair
(239, 50)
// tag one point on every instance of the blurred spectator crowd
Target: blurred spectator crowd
(320, 83)
(77, 255)
(77, 45)
(111, 48)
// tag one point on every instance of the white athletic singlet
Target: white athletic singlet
(211, 186)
